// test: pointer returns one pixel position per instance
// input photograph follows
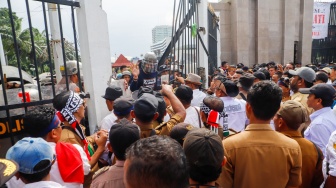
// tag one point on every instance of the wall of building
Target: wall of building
(159, 33)
(259, 31)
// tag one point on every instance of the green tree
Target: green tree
(24, 44)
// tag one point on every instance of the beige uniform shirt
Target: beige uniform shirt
(112, 176)
(302, 98)
(261, 157)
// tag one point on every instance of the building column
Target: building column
(305, 35)
(288, 30)
(95, 55)
(203, 22)
(262, 31)
(224, 35)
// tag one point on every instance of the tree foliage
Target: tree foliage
(24, 45)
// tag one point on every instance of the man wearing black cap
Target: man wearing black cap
(323, 120)
(227, 90)
(122, 108)
(205, 156)
(259, 76)
(145, 112)
(260, 156)
(111, 94)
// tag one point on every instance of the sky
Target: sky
(130, 23)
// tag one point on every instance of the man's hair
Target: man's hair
(122, 67)
(221, 78)
(321, 76)
(31, 178)
(121, 136)
(325, 102)
(184, 94)
(279, 74)
(156, 161)
(223, 63)
(37, 119)
(123, 116)
(273, 66)
(267, 74)
(291, 63)
(145, 118)
(264, 98)
(307, 84)
(60, 100)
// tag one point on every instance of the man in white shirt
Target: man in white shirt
(329, 169)
(185, 95)
(323, 120)
(227, 90)
(111, 94)
(194, 82)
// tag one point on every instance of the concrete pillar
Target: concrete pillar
(95, 55)
(252, 33)
(288, 33)
(203, 22)
(305, 34)
(55, 39)
(262, 31)
(240, 31)
(224, 36)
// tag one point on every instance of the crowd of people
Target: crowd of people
(262, 126)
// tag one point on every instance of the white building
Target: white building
(160, 47)
(159, 33)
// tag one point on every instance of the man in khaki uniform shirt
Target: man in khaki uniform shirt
(287, 121)
(302, 78)
(260, 157)
(145, 112)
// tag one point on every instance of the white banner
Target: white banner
(320, 20)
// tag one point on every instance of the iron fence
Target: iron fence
(183, 52)
(324, 50)
(27, 52)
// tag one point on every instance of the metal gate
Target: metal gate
(212, 28)
(30, 52)
(183, 52)
(324, 50)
